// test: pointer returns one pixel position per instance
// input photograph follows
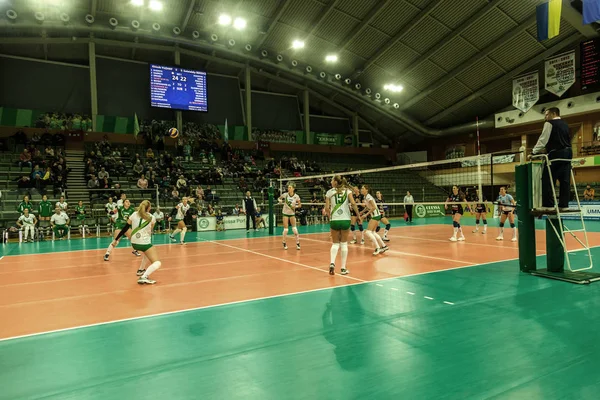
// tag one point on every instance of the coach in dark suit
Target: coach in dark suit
(556, 141)
(249, 208)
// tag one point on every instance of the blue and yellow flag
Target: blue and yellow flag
(548, 19)
(591, 11)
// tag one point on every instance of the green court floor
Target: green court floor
(499, 334)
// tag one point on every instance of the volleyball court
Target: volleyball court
(57, 285)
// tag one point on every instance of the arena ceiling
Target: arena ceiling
(454, 58)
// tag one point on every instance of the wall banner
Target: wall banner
(560, 73)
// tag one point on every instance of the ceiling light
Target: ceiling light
(393, 88)
(239, 24)
(297, 44)
(155, 5)
(137, 3)
(224, 20)
(331, 58)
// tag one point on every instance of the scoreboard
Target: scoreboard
(590, 64)
(177, 88)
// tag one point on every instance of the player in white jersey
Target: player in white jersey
(506, 208)
(142, 224)
(182, 209)
(291, 202)
(337, 206)
(372, 209)
(27, 222)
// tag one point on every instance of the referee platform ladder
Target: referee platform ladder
(558, 251)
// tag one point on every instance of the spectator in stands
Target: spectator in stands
(25, 159)
(103, 174)
(150, 154)
(142, 183)
(588, 193)
(175, 194)
(92, 185)
(236, 210)
(199, 193)
(23, 184)
(49, 152)
(182, 186)
(138, 167)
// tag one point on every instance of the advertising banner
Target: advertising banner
(230, 221)
(591, 211)
(428, 210)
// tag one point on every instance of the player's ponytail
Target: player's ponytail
(143, 210)
(341, 184)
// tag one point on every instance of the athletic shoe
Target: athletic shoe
(182, 243)
(483, 232)
(513, 239)
(385, 239)
(297, 246)
(148, 281)
(106, 256)
(453, 239)
(384, 249)
(353, 241)
(172, 238)
(140, 272)
(461, 239)
(136, 253)
(500, 238)
(284, 245)
(476, 230)
(362, 241)
(377, 251)
(344, 271)
(331, 269)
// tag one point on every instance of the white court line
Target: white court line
(428, 298)
(411, 254)
(394, 288)
(287, 261)
(447, 302)
(411, 293)
(447, 241)
(377, 284)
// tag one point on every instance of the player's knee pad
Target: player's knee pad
(360, 228)
(378, 228)
(455, 224)
(512, 224)
(352, 227)
(388, 226)
(476, 221)
(458, 224)
(485, 221)
(501, 224)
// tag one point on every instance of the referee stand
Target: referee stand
(529, 206)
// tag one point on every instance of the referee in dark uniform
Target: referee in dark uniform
(556, 141)
(249, 208)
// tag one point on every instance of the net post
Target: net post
(526, 220)
(555, 252)
(271, 213)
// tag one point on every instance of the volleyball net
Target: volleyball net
(429, 183)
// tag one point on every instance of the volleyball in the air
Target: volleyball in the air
(173, 132)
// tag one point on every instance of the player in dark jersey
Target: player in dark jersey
(457, 211)
(359, 198)
(384, 220)
(480, 210)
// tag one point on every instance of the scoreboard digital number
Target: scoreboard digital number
(178, 88)
(590, 64)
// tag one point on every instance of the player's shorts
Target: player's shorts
(376, 218)
(289, 215)
(120, 224)
(507, 212)
(480, 210)
(141, 247)
(343, 225)
(458, 211)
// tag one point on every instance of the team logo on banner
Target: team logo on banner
(526, 91)
(204, 223)
(560, 73)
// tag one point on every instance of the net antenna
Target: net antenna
(479, 179)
